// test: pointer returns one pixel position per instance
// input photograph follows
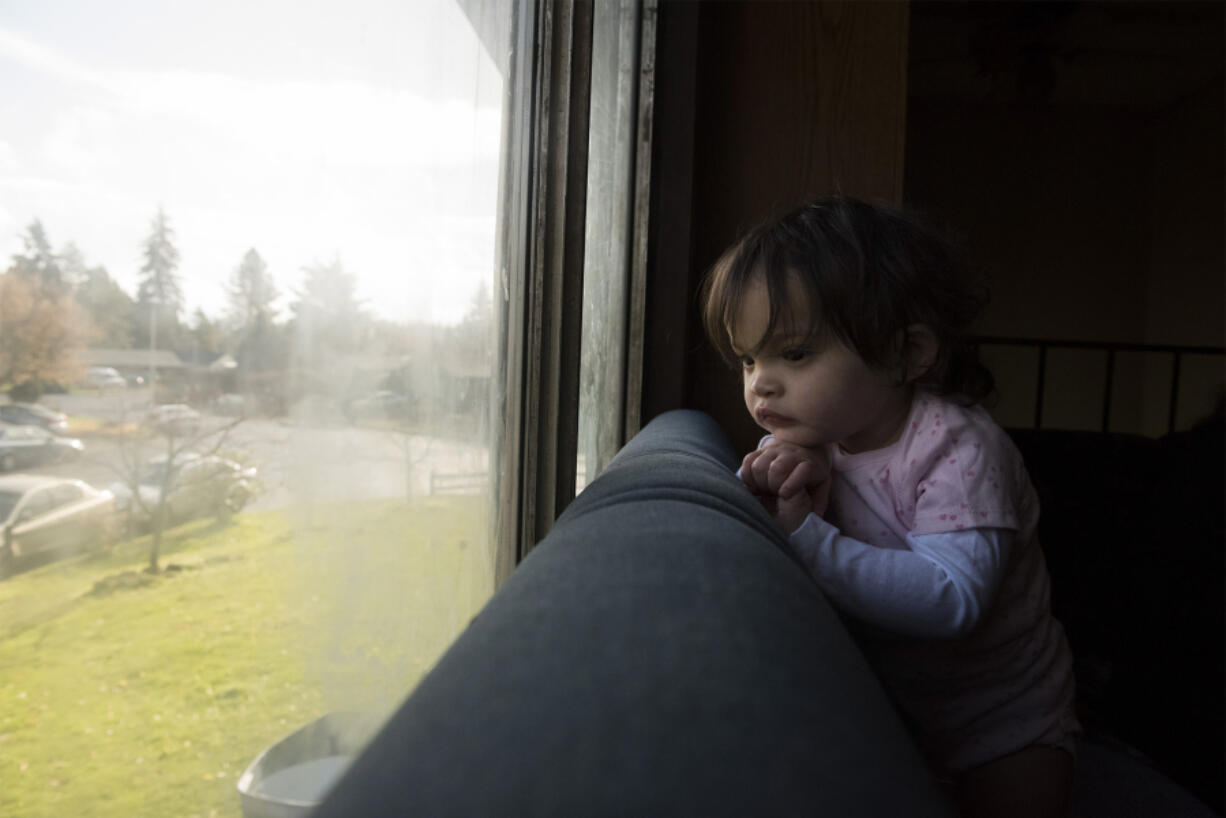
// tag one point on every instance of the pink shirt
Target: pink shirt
(901, 531)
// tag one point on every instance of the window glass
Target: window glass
(280, 218)
(64, 494)
(39, 502)
(607, 245)
(8, 500)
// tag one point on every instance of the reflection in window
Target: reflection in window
(276, 221)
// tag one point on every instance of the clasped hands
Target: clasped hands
(791, 481)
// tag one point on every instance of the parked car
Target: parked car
(230, 405)
(200, 486)
(381, 405)
(104, 377)
(42, 514)
(173, 419)
(32, 414)
(34, 446)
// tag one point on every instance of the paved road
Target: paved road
(298, 463)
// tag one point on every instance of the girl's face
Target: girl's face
(812, 394)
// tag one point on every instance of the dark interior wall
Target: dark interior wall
(1187, 251)
(1092, 199)
(1186, 284)
(1060, 226)
(1097, 214)
(1096, 223)
(759, 105)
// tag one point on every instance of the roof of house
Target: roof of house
(132, 358)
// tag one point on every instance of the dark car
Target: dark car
(382, 405)
(22, 446)
(31, 414)
(42, 514)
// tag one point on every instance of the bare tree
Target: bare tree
(169, 459)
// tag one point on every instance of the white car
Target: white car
(104, 377)
(41, 514)
(176, 419)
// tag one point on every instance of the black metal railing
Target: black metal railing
(1042, 345)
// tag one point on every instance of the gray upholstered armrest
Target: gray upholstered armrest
(659, 653)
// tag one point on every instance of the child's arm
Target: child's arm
(941, 588)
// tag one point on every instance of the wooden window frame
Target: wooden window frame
(540, 266)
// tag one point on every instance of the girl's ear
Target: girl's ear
(920, 348)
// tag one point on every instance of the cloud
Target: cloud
(298, 169)
(33, 55)
(9, 163)
(346, 123)
(338, 122)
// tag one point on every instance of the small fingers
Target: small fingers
(783, 470)
(780, 471)
(763, 465)
(801, 476)
(747, 472)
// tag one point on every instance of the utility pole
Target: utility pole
(153, 343)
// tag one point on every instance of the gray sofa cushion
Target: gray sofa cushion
(659, 653)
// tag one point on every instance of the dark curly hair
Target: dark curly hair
(869, 272)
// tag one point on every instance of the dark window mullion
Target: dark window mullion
(555, 294)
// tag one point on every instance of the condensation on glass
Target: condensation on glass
(391, 455)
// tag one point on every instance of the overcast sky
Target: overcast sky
(367, 130)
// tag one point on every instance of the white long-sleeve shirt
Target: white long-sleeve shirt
(941, 586)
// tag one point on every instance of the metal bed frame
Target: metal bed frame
(1043, 345)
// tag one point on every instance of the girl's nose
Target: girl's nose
(763, 384)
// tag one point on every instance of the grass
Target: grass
(129, 694)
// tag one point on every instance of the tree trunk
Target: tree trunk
(155, 547)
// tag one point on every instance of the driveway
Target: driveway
(297, 463)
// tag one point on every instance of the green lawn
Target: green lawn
(125, 694)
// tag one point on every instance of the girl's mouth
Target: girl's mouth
(766, 417)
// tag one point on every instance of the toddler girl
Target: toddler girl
(907, 503)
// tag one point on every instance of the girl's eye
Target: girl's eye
(795, 355)
(746, 362)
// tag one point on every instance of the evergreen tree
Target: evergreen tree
(72, 264)
(258, 343)
(159, 283)
(251, 291)
(159, 296)
(205, 338)
(328, 315)
(110, 311)
(38, 262)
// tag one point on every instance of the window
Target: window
(297, 226)
(613, 239)
(40, 502)
(66, 493)
(335, 248)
